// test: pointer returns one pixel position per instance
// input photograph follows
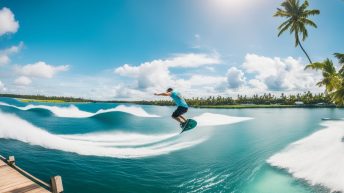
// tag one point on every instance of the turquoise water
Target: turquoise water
(121, 152)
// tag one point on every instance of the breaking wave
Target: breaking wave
(318, 158)
(74, 112)
(211, 119)
(108, 144)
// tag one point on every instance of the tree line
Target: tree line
(306, 98)
(42, 97)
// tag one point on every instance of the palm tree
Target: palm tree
(297, 20)
(332, 80)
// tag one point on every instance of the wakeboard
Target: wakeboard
(190, 124)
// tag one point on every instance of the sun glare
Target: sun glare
(229, 7)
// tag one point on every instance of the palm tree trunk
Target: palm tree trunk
(304, 52)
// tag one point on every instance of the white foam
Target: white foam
(318, 158)
(211, 119)
(73, 112)
(134, 110)
(104, 144)
(13, 127)
(119, 138)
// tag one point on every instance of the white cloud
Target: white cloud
(201, 80)
(126, 93)
(5, 54)
(4, 59)
(7, 22)
(256, 75)
(23, 81)
(262, 66)
(41, 70)
(2, 87)
(210, 68)
(279, 74)
(157, 74)
(200, 85)
(192, 60)
(150, 74)
(257, 84)
(235, 78)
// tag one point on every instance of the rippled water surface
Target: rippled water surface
(124, 148)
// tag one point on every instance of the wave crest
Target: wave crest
(74, 112)
(13, 127)
(110, 144)
(318, 158)
(212, 119)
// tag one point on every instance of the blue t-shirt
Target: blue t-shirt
(178, 99)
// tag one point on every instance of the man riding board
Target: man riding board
(182, 106)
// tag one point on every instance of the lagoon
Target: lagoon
(137, 148)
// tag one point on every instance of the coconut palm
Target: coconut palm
(297, 20)
(332, 80)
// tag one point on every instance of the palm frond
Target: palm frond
(308, 22)
(304, 6)
(284, 27)
(304, 32)
(315, 66)
(338, 96)
(329, 67)
(311, 12)
(281, 13)
(340, 57)
(283, 24)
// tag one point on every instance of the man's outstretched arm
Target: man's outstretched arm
(163, 94)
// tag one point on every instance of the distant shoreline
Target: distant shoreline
(238, 106)
(54, 99)
(253, 106)
(47, 99)
(24, 100)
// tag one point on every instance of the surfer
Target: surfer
(182, 106)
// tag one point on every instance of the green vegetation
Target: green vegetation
(341, 59)
(41, 101)
(333, 79)
(297, 20)
(263, 101)
(47, 99)
(241, 101)
(260, 106)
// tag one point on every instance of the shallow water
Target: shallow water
(130, 149)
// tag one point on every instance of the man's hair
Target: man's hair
(169, 89)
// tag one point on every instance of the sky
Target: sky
(129, 49)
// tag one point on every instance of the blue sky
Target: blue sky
(130, 49)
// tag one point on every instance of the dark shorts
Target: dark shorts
(179, 111)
